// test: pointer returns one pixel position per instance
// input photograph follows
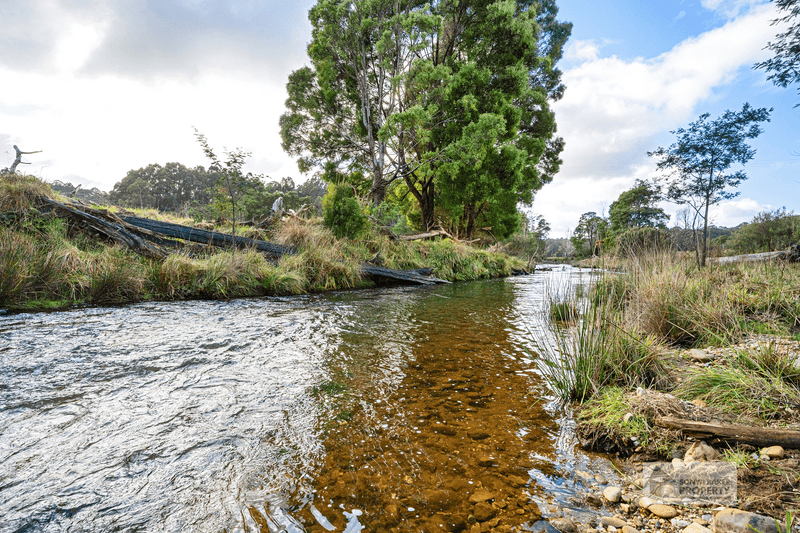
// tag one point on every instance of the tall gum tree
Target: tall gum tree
(695, 167)
(452, 97)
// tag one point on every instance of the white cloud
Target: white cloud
(730, 8)
(735, 212)
(614, 110)
(680, 15)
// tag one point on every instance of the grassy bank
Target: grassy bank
(45, 262)
(637, 330)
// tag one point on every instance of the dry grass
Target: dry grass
(18, 193)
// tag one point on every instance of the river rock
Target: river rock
(629, 529)
(663, 511)
(484, 511)
(773, 452)
(700, 451)
(391, 512)
(600, 478)
(480, 496)
(543, 526)
(694, 527)
(612, 494)
(478, 435)
(700, 356)
(564, 525)
(646, 502)
(485, 460)
(439, 500)
(517, 480)
(618, 523)
(593, 499)
(737, 521)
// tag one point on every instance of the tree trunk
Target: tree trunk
(469, 211)
(425, 198)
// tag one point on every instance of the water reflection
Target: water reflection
(390, 409)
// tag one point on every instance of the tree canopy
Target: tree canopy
(635, 208)
(449, 98)
(784, 66)
(695, 167)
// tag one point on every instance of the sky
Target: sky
(106, 86)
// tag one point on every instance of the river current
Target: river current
(389, 410)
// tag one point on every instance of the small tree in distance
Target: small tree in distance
(696, 165)
(230, 171)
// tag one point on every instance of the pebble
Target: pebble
(677, 522)
(738, 521)
(696, 528)
(564, 525)
(629, 529)
(700, 451)
(600, 478)
(613, 521)
(485, 460)
(700, 356)
(645, 502)
(663, 511)
(612, 494)
(517, 480)
(484, 511)
(481, 496)
(773, 452)
(593, 499)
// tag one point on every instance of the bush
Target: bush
(342, 213)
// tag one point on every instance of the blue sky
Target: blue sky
(105, 86)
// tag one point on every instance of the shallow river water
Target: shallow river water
(384, 409)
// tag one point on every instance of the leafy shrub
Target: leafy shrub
(342, 213)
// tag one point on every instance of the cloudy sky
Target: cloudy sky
(105, 86)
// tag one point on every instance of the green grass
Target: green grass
(608, 409)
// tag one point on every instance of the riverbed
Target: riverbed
(389, 409)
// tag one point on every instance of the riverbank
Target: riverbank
(47, 262)
(666, 341)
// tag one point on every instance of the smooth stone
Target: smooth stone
(612, 494)
(679, 523)
(483, 512)
(773, 452)
(543, 526)
(584, 476)
(517, 480)
(611, 529)
(600, 478)
(629, 529)
(625, 508)
(694, 527)
(485, 460)
(646, 502)
(700, 521)
(480, 496)
(700, 451)
(593, 499)
(663, 511)
(478, 435)
(737, 521)
(618, 523)
(701, 356)
(564, 525)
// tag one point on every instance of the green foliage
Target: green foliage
(784, 66)
(342, 213)
(768, 231)
(588, 234)
(639, 241)
(697, 163)
(452, 98)
(635, 209)
(167, 188)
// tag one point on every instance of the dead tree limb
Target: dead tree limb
(18, 160)
(755, 436)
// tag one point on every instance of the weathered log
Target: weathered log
(428, 235)
(755, 436)
(406, 276)
(187, 233)
(748, 258)
(112, 230)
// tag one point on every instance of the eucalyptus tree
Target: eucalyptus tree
(696, 165)
(784, 66)
(449, 96)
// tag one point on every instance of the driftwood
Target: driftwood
(18, 160)
(755, 436)
(428, 235)
(792, 255)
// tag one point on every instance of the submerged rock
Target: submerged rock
(564, 525)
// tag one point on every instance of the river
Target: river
(386, 409)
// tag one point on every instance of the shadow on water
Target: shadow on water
(395, 409)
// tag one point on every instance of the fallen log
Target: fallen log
(748, 258)
(111, 230)
(419, 276)
(187, 233)
(755, 436)
(428, 235)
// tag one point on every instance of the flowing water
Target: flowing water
(392, 409)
